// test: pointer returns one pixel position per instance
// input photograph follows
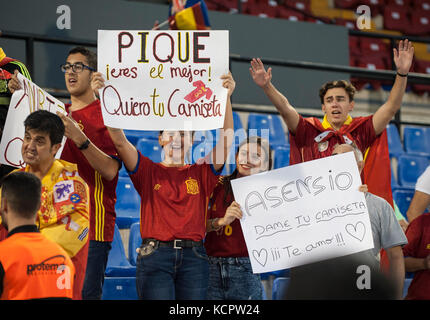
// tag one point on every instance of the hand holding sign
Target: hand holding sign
(157, 80)
(13, 83)
(72, 129)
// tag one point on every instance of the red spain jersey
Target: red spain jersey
(313, 140)
(174, 200)
(229, 240)
(418, 246)
(102, 192)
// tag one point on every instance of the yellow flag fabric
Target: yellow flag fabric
(63, 215)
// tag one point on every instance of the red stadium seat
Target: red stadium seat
(420, 23)
(376, 48)
(354, 46)
(371, 63)
(290, 14)
(350, 24)
(421, 5)
(346, 4)
(421, 66)
(226, 5)
(400, 3)
(396, 18)
(302, 5)
(376, 6)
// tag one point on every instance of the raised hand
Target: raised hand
(228, 83)
(403, 56)
(259, 74)
(13, 83)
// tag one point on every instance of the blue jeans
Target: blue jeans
(98, 253)
(232, 279)
(169, 274)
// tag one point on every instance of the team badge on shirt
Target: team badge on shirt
(192, 186)
(62, 190)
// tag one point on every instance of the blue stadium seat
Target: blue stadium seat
(134, 242)
(272, 123)
(127, 206)
(279, 289)
(119, 288)
(118, 265)
(395, 147)
(406, 286)
(134, 135)
(150, 148)
(122, 172)
(409, 168)
(237, 122)
(403, 198)
(417, 141)
(281, 156)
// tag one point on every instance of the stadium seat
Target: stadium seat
(377, 48)
(118, 265)
(346, 4)
(354, 46)
(134, 242)
(376, 6)
(133, 136)
(421, 5)
(268, 127)
(409, 168)
(281, 157)
(403, 198)
(420, 23)
(127, 206)
(371, 63)
(406, 286)
(302, 5)
(119, 288)
(279, 289)
(395, 147)
(396, 18)
(290, 14)
(150, 148)
(416, 141)
(421, 66)
(123, 171)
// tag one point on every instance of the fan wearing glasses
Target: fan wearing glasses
(90, 146)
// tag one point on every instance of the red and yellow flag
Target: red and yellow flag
(188, 19)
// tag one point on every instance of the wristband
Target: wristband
(401, 75)
(84, 145)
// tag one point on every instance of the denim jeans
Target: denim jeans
(98, 253)
(169, 274)
(232, 279)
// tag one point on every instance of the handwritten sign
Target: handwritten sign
(23, 102)
(303, 213)
(157, 80)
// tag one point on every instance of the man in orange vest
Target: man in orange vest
(31, 265)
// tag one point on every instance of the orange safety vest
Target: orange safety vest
(34, 267)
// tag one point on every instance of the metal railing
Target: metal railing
(413, 78)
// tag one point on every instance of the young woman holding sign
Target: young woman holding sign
(172, 261)
(231, 276)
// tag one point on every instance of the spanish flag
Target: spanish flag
(188, 19)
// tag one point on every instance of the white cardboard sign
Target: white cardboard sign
(23, 102)
(157, 80)
(303, 213)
